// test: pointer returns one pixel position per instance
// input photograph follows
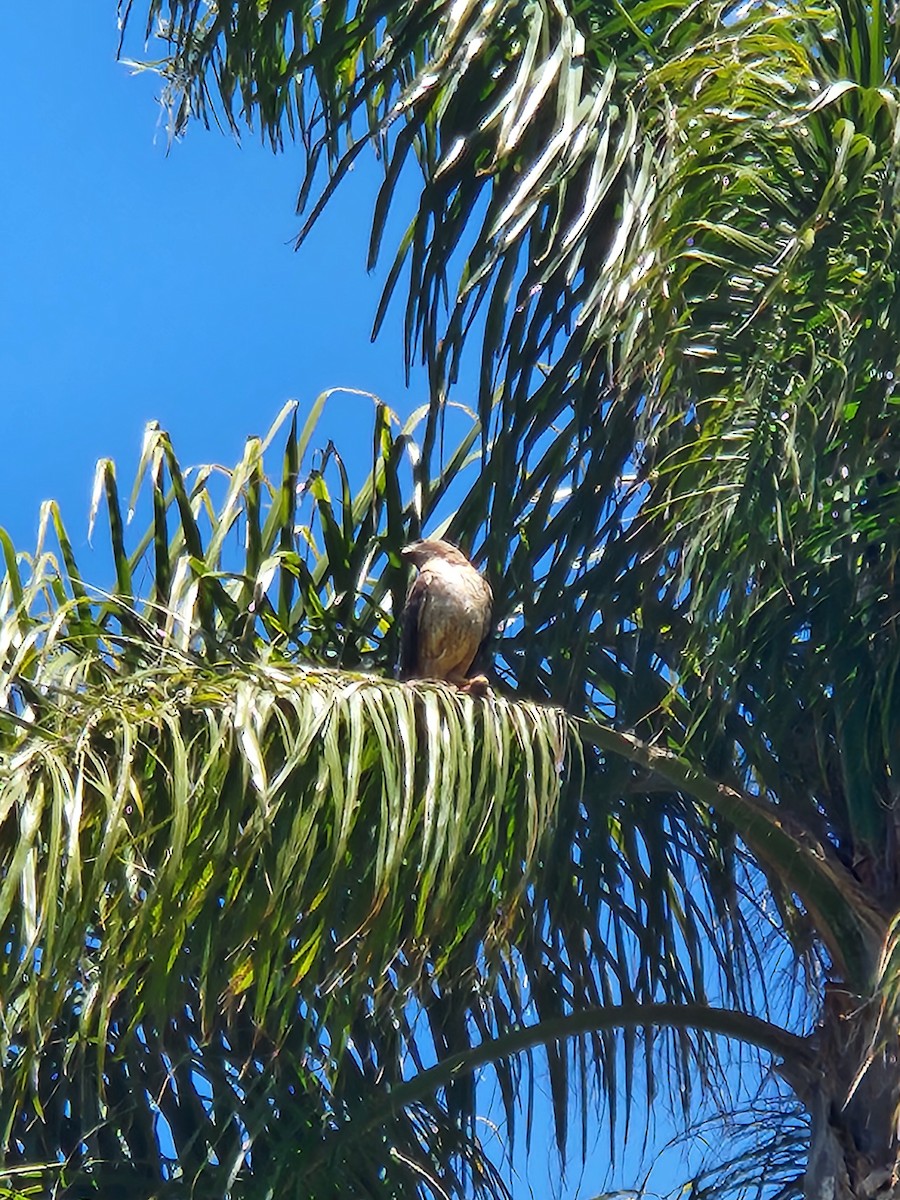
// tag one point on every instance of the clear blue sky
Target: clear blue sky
(142, 282)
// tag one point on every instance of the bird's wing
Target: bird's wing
(488, 623)
(412, 615)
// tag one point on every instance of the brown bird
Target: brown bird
(447, 615)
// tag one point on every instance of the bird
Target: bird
(447, 616)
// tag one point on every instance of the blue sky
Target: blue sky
(141, 281)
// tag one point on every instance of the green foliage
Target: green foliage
(209, 849)
(691, 216)
(234, 870)
(246, 850)
(774, 437)
(674, 231)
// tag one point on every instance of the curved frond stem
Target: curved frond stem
(797, 1055)
(852, 927)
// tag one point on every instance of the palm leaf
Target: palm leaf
(237, 844)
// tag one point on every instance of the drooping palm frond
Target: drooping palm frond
(536, 139)
(780, 273)
(254, 849)
(769, 1141)
(774, 425)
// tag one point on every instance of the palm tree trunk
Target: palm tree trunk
(854, 1149)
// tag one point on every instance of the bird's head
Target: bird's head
(418, 553)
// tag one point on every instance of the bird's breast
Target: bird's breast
(453, 623)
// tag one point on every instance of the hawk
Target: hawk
(447, 615)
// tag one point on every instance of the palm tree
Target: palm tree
(678, 228)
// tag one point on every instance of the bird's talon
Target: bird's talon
(478, 685)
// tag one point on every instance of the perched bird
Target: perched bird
(447, 615)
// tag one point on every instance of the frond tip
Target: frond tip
(261, 830)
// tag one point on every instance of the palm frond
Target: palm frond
(527, 122)
(243, 845)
